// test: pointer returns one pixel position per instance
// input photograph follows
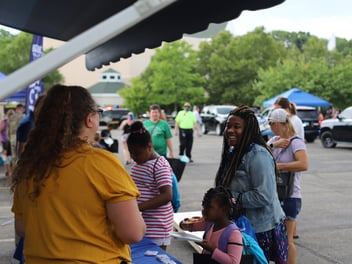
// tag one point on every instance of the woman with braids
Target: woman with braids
(73, 203)
(152, 175)
(248, 169)
(217, 210)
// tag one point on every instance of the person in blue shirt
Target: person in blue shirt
(25, 126)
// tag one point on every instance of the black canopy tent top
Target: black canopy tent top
(66, 19)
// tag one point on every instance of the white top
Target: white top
(298, 125)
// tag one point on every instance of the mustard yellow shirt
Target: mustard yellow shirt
(68, 222)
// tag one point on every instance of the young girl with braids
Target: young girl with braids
(248, 169)
(152, 175)
(217, 206)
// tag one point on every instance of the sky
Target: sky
(323, 18)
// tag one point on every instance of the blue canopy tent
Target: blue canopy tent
(300, 98)
(16, 97)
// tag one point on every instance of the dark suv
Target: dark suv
(308, 115)
(336, 130)
(214, 118)
(310, 120)
(114, 116)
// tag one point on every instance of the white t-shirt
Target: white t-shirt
(298, 125)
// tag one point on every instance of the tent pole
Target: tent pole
(80, 44)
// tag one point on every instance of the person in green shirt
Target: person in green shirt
(160, 132)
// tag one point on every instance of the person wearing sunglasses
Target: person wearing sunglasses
(73, 203)
(291, 158)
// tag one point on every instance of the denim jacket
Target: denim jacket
(255, 179)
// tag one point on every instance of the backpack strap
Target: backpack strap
(154, 165)
(207, 227)
(224, 238)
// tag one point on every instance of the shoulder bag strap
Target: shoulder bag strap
(151, 132)
(283, 150)
(154, 165)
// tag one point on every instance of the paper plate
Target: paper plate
(186, 236)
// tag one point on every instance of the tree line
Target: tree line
(14, 53)
(225, 69)
(246, 69)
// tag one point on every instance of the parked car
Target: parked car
(214, 117)
(114, 116)
(264, 127)
(308, 115)
(337, 129)
(310, 119)
(170, 120)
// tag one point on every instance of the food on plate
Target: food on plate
(192, 220)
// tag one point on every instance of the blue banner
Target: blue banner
(36, 88)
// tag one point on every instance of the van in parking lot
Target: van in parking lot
(114, 117)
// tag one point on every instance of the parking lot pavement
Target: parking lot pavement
(7, 241)
(324, 224)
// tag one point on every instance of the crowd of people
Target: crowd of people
(8, 133)
(75, 201)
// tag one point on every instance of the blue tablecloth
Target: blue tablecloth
(137, 252)
(138, 249)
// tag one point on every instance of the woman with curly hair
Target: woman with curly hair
(73, 202)
(248, 169)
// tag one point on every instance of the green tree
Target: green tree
(339, 91)
(315, 48)
(277, 79)
(135, 95)
(316, 76)
(14, 53)
(291, 39)
(344, 46)
(169, 80)
(233, 64)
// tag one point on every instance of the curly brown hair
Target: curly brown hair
(56, 130)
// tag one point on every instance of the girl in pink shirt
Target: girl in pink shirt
(217, 208)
